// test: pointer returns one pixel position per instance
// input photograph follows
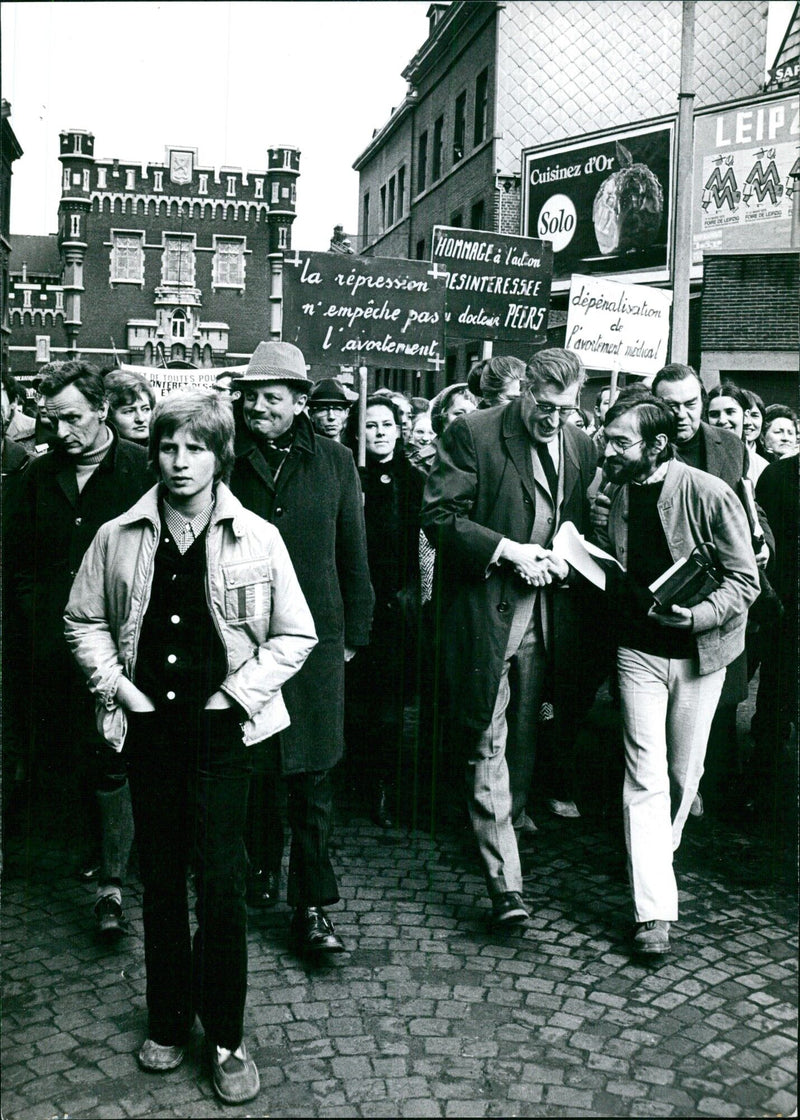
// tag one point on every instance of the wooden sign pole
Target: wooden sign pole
(362, 416)
(613, 386)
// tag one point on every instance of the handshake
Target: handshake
(535, 565)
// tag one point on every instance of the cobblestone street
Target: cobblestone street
(430, 1013)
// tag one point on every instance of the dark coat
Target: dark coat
(481, 489)
(317, 505)
(52, 527)
(383, 676)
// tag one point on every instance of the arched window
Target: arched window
(148, 353)
(178, 352)
(179, 323)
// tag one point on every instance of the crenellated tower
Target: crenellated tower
(77, 158)
(283, 170)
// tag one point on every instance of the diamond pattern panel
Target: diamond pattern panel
(566, 69)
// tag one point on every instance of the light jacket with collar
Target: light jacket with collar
(695, 507)
(256, 603)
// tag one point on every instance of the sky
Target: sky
(231, 79)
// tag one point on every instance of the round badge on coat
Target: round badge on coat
(386, 479)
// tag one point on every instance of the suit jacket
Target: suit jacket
(727, 458)
(317, 505)
(482, 488)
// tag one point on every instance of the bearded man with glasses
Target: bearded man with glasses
(671, 663)
(503, 480)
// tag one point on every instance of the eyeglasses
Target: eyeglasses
(547, 409)
(618, 445)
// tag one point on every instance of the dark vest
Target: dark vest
(181, 660)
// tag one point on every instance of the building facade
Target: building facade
(152, 262)
(493, 79)
(10, 150)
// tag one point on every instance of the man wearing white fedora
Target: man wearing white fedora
(308, 487)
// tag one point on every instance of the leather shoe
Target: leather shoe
(509, 909)
(263, 888)
(651, 938)
(380, 809)
(312, 931)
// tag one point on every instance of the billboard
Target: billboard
(374, 311)
(498, 287)
(746, 157)
(604, 203)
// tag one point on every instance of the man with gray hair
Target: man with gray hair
(503, 481)
(89, 476)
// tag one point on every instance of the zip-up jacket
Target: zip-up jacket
(253, 596)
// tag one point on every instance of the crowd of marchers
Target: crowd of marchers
(207, 605)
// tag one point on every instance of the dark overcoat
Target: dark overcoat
(318, 508)
(481, 489)
(52, 526)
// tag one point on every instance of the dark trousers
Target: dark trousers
(189, 777)
(311, 881)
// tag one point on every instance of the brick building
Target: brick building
(152, 262)
(493, 78)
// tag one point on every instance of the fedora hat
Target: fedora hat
(277, 361)
(329, 390)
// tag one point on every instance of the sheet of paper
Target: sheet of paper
(569, 545)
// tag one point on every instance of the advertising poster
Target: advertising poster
(618, 326)
(605, 204)
(375, 311)
(745, 158)
(498, 287)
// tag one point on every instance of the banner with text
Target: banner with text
(498, 287)
(746, 160)
(618, 326)
(379, 311)
(605, 204)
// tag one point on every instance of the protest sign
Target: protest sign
(377, 311)
(605, 203)
(498, 287)
(618, 326)
(164, 380)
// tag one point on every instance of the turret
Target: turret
(283, 169)
(77, 158)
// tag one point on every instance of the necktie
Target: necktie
(548, 466)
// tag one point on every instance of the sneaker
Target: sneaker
(236, 1077)
(651, 938)
(108, 916)
(509, 909)
(158, 1058)
(563, 808)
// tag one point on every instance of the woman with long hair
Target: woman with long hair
(382, 678)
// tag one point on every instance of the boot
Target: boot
(116, 824)
(380, 807)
